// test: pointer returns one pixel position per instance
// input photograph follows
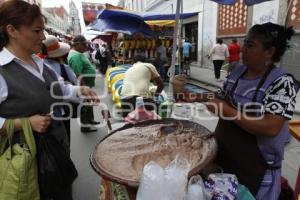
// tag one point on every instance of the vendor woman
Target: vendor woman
(254, 107)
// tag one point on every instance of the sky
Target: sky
(65, 3)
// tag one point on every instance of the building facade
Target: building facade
(57, 19)
(291, 59)
(74, 20)
(53, 22)
(190, 26)
(90, 11)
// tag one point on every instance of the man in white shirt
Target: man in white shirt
(137, 82)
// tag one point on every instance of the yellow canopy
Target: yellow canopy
(161, 22)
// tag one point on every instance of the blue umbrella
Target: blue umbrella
(247, 2)
(130, 22)
(121, 21)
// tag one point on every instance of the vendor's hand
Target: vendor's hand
(40, 123)
(89, 94)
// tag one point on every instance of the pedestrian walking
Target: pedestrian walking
(218, 54)
(234, 54)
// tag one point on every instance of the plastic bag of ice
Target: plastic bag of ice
(196, 189)
(151, 182)
(164, 184)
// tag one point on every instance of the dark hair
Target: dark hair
(273, 35)
(159, 42)
(219, 41)
(234, 40)
(139, 58)
(79, 39)
(16, 13)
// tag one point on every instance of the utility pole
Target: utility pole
(171, 71)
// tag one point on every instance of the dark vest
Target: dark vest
(28, 95)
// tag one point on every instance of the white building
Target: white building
(54, 22)
(74, 20)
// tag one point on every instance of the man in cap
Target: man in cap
(85, 71)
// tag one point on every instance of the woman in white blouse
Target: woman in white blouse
(218, 54)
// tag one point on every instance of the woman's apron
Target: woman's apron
(238, 151)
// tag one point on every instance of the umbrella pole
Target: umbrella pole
(171, 71)
(180, 42)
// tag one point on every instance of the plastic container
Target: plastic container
(165, 109)
(139, 103)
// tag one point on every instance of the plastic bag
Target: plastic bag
(196, 190)
(244, 193)
(221, 187)
(56, 169)
(164, 184)
(140, 113)
(176, 177)
(151, 182)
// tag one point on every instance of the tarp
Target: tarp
(247, 2)
(155, 16)
(130, 22)
(108, 13)
(126, 26)
(161, 22)
(121, 21)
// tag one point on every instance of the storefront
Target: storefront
(191, 33)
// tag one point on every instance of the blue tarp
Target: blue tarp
(155, 16)
(247, 2)
(130, 22)
(121, 21)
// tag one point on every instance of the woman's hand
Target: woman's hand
(89, 94)
(40, 123)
